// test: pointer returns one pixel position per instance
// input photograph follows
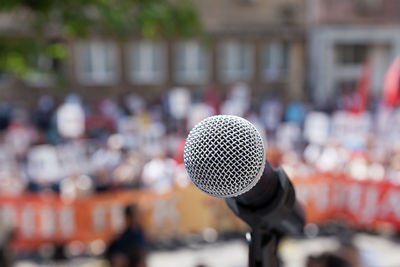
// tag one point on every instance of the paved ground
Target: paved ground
(376, 252)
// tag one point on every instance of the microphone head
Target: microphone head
(224, 156)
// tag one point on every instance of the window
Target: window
(351, 54)
(236, 62)
(191, 62)
(368, 6)
(287, 14)
(97, 62)
(147, 62)
(43, 70)
(275, 60)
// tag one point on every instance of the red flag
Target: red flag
(211, 98)
(391, 94)
(363, 86)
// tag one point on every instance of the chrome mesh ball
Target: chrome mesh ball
(224, 155)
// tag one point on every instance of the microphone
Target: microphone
(225, 157)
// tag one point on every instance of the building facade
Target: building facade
(259, 42)
(342, 35)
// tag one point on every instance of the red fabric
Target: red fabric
(363, 87)
(211, 98)
(391, 92)
(180, 149)
(95, 122)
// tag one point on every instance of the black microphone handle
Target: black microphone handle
(264, 191)
(270, 204)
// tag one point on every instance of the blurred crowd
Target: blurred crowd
(76, 148)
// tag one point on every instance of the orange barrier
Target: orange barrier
(41, 219)
(363, 204)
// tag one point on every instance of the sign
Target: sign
(363, 204)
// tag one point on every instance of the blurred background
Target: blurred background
(97, 98)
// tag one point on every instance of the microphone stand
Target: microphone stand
(283, 216)
(263, 249)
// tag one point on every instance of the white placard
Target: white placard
(316, 127)
(71, 120)
(43, 165)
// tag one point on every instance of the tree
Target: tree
(52, 23)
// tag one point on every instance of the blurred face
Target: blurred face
(132, 220)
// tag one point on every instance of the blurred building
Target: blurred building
(342, 35)
(258, 42)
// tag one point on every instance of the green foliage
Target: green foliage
(78, 18)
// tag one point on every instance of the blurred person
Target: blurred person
(73, 157)
(317, 127)
(350, 100)
(347, 255)
(212, 99)
(105, 160)
(238, 101)
(19, 137)
(134, 103)
(177, 149)
(110, 156)
(358, 168)
(102, 180)
(76, 186)
(359, 127)
(108, 108)
(102, 122)
(128, 173)
(71, 117)
(293, 165)
(329, 159)
(151, 136)
(159, 173)
(271, 115)
(5, 116)
(43, 167)
(288, 136)
(295, 113)
(127, 127)
(181, 176)
(254, 118)
(130, 247)
(7, 234)
(12, 181)
(178, 103)
(44, 113)
(198, 111)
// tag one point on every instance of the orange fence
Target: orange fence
(44, 219)
(41, 219)
(363, 204)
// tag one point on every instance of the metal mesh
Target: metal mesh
(224, 155)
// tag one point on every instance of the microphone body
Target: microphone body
(271, 204)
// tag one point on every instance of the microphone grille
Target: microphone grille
(224, 155)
